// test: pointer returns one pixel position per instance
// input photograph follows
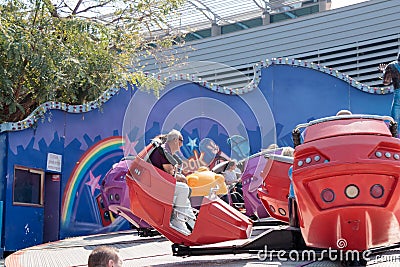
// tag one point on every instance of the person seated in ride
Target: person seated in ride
(232, 173)
(292, 204)
(272, 149)
(164, 157)
(288, 151)
(232, 176)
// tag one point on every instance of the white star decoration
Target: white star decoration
(192, 143)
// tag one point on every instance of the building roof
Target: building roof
(200, 14)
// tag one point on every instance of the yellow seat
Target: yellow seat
(202, 180)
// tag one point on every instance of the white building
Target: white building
(353, 40)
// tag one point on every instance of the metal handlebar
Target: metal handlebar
(213, 192)
(341, 117)
(280, 158)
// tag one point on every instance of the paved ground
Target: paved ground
(153, 251)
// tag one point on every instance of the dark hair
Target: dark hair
(172, 135)
(159, 140)
(230, 164)
(101, 255)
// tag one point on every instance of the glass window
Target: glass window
(28, 186)
(230, 28)
(290, 14)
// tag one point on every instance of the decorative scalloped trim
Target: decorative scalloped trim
(39, 112)
(330, 71)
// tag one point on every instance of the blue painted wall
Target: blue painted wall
(297, 95)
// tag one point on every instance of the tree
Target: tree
(73, 50)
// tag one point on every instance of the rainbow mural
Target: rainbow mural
(109, 146)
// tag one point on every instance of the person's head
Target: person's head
(174, 140)
(288, 151)
(273, 146)
(104, 256)
(231, 165)
(343, 112)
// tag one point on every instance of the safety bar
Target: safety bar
(296, 130)
(280, 158)
(341, 117)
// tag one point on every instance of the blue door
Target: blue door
(51, 207)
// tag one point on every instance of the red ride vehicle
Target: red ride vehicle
(151, 193)
(345, 178)
(274, 190)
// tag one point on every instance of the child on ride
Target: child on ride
(232, 175)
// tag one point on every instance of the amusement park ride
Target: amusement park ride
(345, 178)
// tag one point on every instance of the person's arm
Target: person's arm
(238, 174)
(168, 168)
(181, 178)
(382, 67)
(171, 170)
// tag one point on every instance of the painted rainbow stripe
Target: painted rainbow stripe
(86, 162)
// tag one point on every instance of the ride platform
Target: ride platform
(157, 251)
